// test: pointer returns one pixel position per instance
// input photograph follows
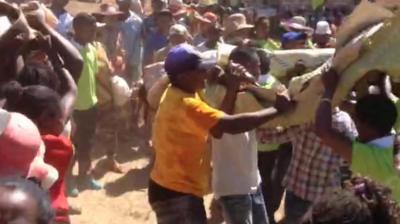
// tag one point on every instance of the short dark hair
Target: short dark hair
(265, 61)
(340, 207)
(378, 112)
(38, 74)
(262, 20)
(83, 19)
(32, 101)
(46, 213)
(243, 55)
(363, 201)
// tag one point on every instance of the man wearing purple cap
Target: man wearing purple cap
(294, 40)
(179, 178)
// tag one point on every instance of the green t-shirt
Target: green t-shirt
(378, 164)
(397, 124)
(269, 44)
(87, 97)
(269, 83)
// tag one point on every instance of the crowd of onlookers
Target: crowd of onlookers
(61, 71)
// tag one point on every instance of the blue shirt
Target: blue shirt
(64, 25)
(130, 31)
(148, 24)
(154, 42)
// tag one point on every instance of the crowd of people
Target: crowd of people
(61, 70)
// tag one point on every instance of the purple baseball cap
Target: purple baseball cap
(183, 58)
(293, 36)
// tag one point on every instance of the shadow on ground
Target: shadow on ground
(135, 179)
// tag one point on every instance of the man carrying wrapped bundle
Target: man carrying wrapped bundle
(182, 124)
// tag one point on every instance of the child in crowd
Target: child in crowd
(361, 202)
(372, 154)
(262, 35)
(23, 201)
(85, 112)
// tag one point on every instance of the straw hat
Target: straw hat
(236, 22)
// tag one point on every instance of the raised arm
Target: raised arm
(70, 55)
(68, 89)
(323, 121)
(10, 46)
(234, 124)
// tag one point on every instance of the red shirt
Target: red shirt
(59, 153)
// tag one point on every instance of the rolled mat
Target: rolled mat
(372, 26)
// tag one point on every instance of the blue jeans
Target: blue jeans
(244, 209)
(295, 208)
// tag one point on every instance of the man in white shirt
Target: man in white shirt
(236, 179)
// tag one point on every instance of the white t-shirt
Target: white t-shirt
(234, 160)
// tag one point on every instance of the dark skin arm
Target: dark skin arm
(232, 83)
(10, 46)
(339, 143)
(235, 124)
(68, 89)
(71, 57)
(323, 124)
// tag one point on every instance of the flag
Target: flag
(317, 3)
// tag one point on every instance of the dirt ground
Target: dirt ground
(124, 197)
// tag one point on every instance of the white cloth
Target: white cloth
(234, 161)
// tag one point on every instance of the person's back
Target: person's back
(59, 152)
